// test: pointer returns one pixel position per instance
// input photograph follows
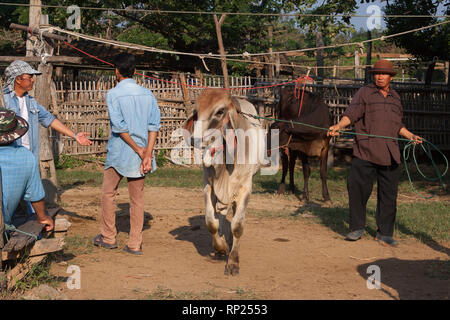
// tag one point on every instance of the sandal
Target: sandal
(135, 252)
(98, 241)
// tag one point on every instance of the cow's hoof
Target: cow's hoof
(282, 189)
(231, 269)
(221, 246)
(328, 204)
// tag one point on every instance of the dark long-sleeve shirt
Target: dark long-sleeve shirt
(371, 113)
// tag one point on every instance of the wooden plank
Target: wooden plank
(19, 240)
(52, 59)
(40, 247)
(21, 270)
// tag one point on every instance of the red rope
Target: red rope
(193, 86)
(297, 91)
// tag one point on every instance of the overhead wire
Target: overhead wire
(223, 12)
(245, 54)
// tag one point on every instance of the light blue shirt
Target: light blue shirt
(20, 179)
(132, 109)
(36, 114)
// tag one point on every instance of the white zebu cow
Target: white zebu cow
(226, 185)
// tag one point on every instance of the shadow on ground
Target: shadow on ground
(123, 218)
(197, 233)
(412, 279)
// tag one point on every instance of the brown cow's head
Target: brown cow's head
(216, 111)
(215, 107)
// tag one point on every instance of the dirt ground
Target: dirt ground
(280, 258)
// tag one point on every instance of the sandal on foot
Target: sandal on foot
(98, 241)
(135, 252)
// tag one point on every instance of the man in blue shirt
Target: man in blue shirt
(19, 171)
(135, 122)
(20, 80)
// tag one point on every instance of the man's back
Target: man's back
(132, 109)
(20, 178)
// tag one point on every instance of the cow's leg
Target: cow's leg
(284, 167)
(212, 223)
(292, 159)
(306, 172)
(323, 174)
(237, 229)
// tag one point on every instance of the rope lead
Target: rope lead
(406, 151)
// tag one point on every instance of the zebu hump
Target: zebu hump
(249, 108)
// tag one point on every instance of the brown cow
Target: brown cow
(226, 184)
(299, 141)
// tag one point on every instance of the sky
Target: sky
(361, 22)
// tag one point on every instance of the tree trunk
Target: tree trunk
(319, 55)
(429, 74)
(221, 48)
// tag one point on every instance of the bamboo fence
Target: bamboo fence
(81, 106)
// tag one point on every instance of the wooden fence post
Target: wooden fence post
(185, 91)
(46, 160)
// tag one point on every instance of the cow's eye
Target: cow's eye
(220, 112)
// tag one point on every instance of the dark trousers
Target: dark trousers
(359, 186)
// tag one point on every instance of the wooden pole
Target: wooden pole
(34, 30)
(368, 58)
(270, 66)
(357, 64)
(277, 65)
(221, 48)
(34, 21)
(42, 94)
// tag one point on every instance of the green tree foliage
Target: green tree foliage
(426, 44)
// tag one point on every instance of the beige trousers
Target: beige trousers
(111, 179)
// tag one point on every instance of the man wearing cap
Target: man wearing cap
(19, 171)
(376, 110)
(20, 80)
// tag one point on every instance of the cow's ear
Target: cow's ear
(233, 113)
(189, 123)
(236, 104)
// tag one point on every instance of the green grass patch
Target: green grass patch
(38, 275)
(163, 293)
(76, 245)
(426, 221)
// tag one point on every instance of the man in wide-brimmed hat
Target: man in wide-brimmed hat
(19, 81)
(376, 109)
(20, 179)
